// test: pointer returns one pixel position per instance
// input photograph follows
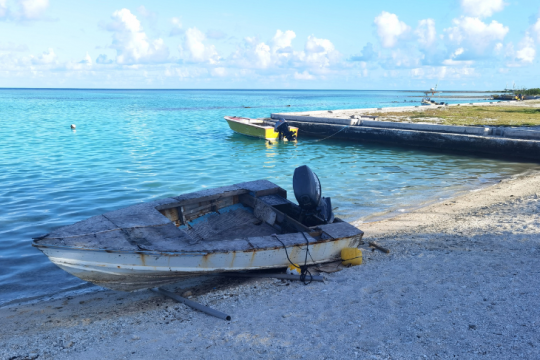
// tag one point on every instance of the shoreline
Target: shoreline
(387, 215)
(469, 199)
(460, 280)
(89, 288)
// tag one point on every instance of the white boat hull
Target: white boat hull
(128, 271)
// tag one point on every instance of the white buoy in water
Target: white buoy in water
(73, 127)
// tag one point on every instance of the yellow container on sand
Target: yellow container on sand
(351, 256)
(294, 270)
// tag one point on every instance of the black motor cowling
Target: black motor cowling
(307, 190)
(307, 187)
(282, 127)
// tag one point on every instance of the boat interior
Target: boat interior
(257, 122)
(245, 215)
(242, 217)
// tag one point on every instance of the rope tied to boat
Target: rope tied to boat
(304, 271)
(340, 130)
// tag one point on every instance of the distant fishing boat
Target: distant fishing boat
(247, 226)
(426, 100)
(261, 128)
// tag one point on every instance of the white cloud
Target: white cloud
(46, 58)
(453, 62)
(277, 53)
(277, 58)
(442, 72)
(42, 64)
(197, 49)
(3, 8)
(401, 58)
(87, 60)
(282, 40)
(426, 33)
(102, 59)
(84, 64)
(303, 76)
(23, 10)
(319, 53)
(536, 29)
(131, 42)
(527, 51)
(368, 54)
(482, 8)
(475, 34)
(315, 45)
(177, 27)
(150, 15)
(264, 57)
(219, 71)
(183, 73)
(33, 9)
(390, 29)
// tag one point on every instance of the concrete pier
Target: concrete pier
(354, 125)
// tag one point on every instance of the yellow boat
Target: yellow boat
(259, 128)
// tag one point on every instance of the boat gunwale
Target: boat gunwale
(174, 253)
(229, 118)
(249, 124)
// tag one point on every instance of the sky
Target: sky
(383, 44)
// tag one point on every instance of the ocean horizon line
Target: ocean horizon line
(223, 89)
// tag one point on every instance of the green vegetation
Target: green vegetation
(535, 91)
(470, 115)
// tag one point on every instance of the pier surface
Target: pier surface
(510, 129)
(387, 111)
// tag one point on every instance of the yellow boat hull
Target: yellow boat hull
(255, 128)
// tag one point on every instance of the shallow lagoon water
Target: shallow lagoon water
(132, 146)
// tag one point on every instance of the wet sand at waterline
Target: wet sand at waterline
(461, 280)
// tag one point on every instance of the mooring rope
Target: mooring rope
(340, 130)
(304, 271)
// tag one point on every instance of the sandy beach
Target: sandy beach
(382, 112)
(461, 281)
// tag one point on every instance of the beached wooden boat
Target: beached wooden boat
(247, 226)
(259, 128)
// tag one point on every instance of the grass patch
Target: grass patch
(535, 91)
(471, 116)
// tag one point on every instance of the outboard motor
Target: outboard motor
(307, 190)
(282, 127)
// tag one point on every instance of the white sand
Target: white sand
(346, 114)
(461, 281)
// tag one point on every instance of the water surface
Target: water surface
(132, 146)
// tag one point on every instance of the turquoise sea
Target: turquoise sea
(132, 146)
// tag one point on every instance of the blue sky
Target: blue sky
(385, 44)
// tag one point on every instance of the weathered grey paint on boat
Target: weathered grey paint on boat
(141, 246)
(128, 271)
